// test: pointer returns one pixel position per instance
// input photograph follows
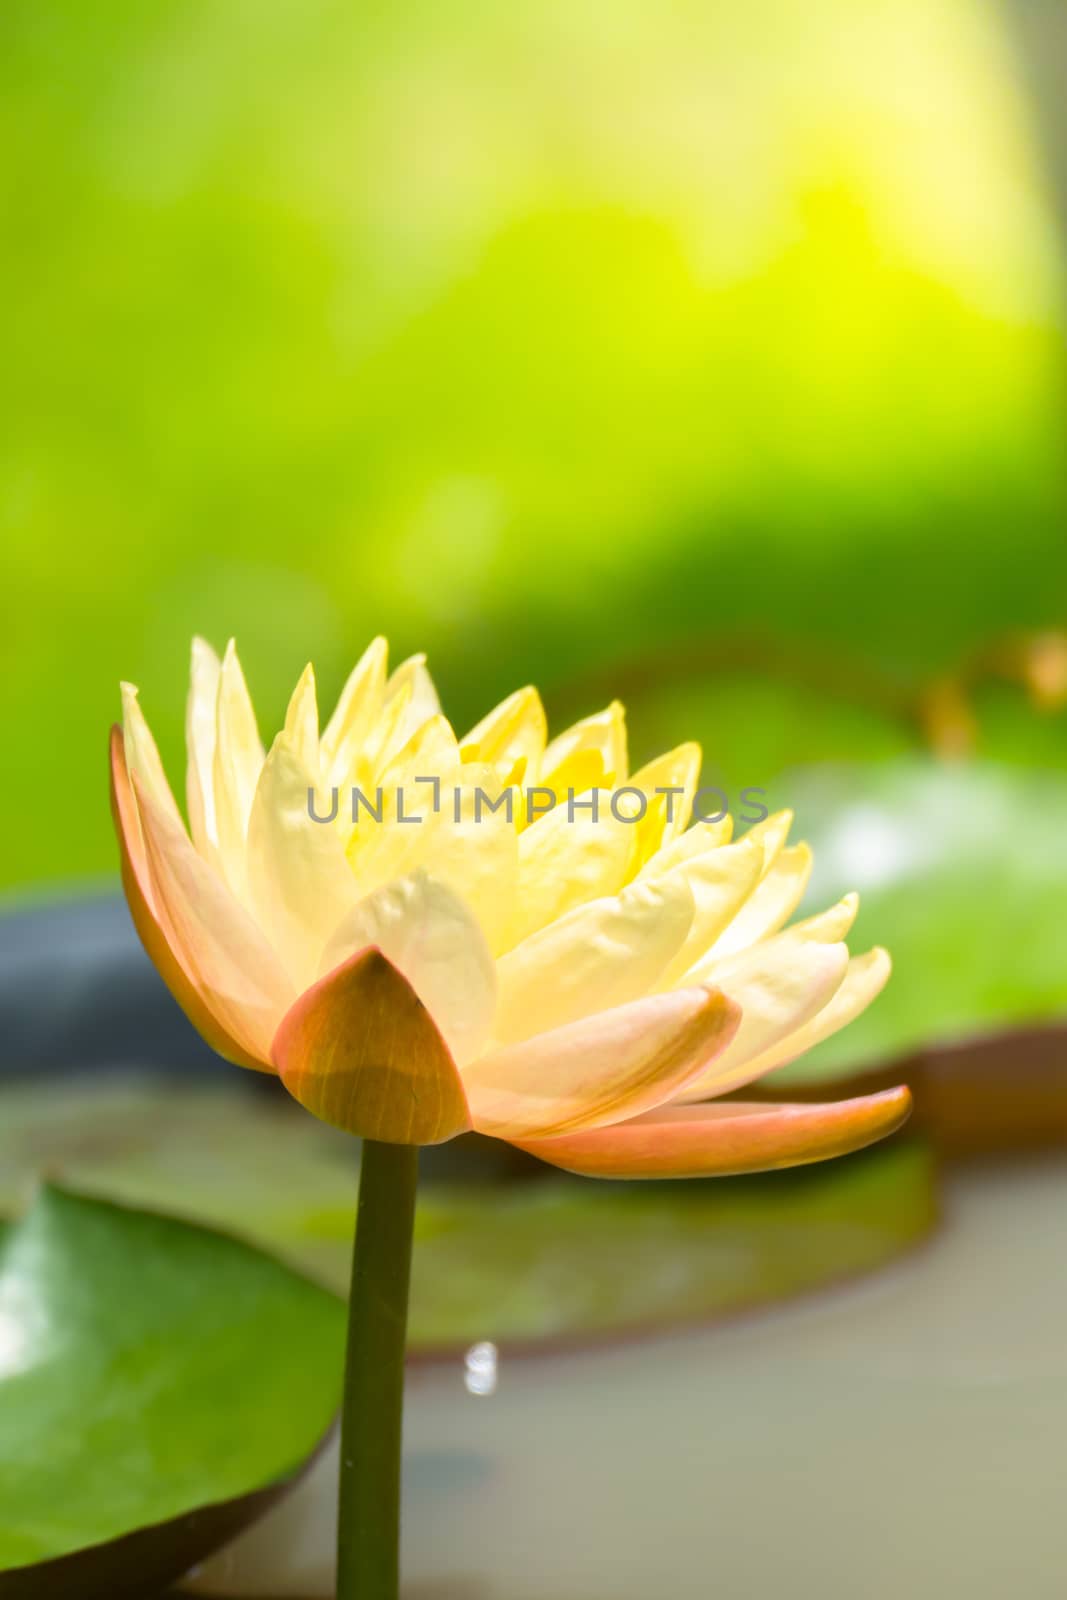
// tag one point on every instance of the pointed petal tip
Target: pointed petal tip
(601, 1069)
(360, 1050)
(726, 1138)
(151, 922)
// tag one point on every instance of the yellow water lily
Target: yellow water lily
(423, 934)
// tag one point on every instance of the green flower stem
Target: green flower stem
(368, 1534)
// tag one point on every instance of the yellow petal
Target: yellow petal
(603, 736)
(142, 756)
(431, 751)
(456, 834)
(567, 857)
(150, 919)
(831, 925)
(720, 882)
(357, 711)
(360, 1050)
(513, 731)
(779, 986)
(695, 841)
(299, 880)
(770, 905)
(581, 771)
(200, 714)
(427, 932)
(226, 957)
(667, 816)
(725, 1138)
(302, 722)
(238, 763)
(412, 688)
(601, 1069)
(864, 980)
(772, 833)
(598, 955)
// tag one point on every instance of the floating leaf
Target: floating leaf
(963, 876)
(157, 1381)
(565, 1260)
(552, 1258)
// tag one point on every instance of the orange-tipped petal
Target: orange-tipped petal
(601, 1069)
(225, 955)
(150, 921)
(360, 1050)
(724, 1138)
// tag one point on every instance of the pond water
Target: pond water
(903, 1436)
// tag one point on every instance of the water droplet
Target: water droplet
(480, 1369)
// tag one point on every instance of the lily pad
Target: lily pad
(962, 874)
(157, 1381)
(550, 1259)
(564, 1261)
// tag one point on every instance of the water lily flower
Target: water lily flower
(487, 939)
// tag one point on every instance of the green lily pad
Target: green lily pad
(567, 1261)
(547, 1259)
(963, 876)
(155, 1379)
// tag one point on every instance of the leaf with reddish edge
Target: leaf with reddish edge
(725, 1137)
(360, 1050)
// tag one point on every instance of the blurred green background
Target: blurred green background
(710, 354)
